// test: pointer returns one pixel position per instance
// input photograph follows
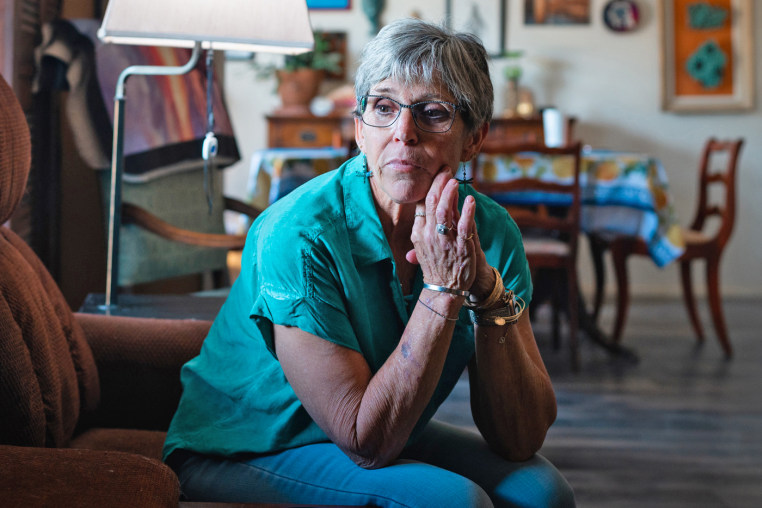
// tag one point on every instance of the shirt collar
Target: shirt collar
(366, 235)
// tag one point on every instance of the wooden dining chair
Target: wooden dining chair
(701, 242)
(547, 210)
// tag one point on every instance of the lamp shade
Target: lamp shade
(275, 26)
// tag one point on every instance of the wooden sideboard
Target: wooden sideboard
(518, 130)
(309, 131)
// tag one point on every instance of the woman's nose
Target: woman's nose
(405, 129)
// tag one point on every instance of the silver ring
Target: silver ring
(442, 229)
(420, 214)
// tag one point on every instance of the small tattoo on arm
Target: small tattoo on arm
(405, 350)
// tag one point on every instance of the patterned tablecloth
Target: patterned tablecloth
(274, 172)
(622, 194)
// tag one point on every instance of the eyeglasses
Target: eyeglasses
(429, 116)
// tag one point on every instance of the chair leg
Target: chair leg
(573, 317)
(597, 249)
(619, 253)
(715, 303)
(690, 299)
(555, 305)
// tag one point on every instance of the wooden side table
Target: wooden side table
(309, 131)
(519, 130)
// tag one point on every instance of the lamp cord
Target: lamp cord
(209, 149)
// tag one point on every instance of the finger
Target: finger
(435, 192)
(411, 257)
(466, 225)
(447, 207)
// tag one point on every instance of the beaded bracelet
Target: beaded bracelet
(506, 315)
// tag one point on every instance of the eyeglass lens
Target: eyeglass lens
(431, 116)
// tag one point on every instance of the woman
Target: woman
(350, 322)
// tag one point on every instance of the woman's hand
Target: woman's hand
(446, 259)
(456, 259)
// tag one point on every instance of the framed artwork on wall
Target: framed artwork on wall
(707, 55)
(329, 4)
(556, 12)
(487, 19)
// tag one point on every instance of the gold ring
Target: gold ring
(467, 238)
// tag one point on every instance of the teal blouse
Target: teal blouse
(318, 260)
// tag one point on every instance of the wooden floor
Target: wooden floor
(679, 427)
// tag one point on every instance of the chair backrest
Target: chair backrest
(528, 180)
(47, 371)
(728, 153)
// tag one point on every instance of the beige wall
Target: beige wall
(611, 82)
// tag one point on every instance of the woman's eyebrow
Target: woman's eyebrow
(428, 96)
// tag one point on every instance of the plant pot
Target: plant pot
(297, 89)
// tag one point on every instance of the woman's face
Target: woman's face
(404, 159)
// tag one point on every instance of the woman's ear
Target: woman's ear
(474, 143)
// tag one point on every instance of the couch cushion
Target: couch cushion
(32, 477)
(48, 373)
(143, 442)
(15, 151)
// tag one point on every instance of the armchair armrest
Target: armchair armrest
(145, 219)
(37, 477)
(241, 207)
(139, 361)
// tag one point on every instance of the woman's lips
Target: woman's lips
(404, 165)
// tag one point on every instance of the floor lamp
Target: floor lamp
(281, 26)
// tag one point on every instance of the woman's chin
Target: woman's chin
(402, 192)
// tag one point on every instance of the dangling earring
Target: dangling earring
(366, 172)
(464, 180)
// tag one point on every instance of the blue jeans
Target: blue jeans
(447, 467)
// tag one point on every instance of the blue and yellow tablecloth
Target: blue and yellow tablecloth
(622, 194)
(275, 172)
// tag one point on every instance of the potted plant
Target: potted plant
(300, 76)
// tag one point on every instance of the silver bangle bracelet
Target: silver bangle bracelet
(442, 289)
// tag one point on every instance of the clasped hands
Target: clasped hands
(446, 243)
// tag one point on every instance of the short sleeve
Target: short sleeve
(298, 284)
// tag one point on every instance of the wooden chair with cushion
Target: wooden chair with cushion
(550, 233)
(701, 242)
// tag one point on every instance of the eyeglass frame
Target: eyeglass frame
(362, 104)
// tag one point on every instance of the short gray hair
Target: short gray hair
(414, 51)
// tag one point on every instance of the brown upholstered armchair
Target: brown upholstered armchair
(84, 399)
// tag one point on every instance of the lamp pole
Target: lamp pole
(117, 166)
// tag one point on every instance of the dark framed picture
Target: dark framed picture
(556, 12)
(487, 19)
(329, 4)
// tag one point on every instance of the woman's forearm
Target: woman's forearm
(370, 416)
(399, 392)
(512, 398)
